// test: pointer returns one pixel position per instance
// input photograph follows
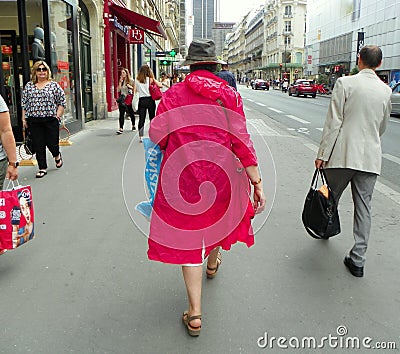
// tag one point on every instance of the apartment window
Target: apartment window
(288, 10)
(287, 40)
(288, 26)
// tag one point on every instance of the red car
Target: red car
(260, 84)
(303, 87)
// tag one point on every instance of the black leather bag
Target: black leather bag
(121, 100)
(320, 214)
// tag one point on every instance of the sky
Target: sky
(234, 10)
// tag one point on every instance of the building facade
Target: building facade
(219, 32)
(204, 16)
(284, 30)
(337, 29)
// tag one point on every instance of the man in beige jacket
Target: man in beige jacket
(350, 148)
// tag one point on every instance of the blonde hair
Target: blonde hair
(144, 72)
(35, 66)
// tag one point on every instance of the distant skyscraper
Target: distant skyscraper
(204, 13)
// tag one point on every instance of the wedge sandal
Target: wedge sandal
(214, 270)
(186, 319)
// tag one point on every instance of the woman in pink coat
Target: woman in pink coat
(203, 199)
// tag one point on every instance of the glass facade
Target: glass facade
(34, 30)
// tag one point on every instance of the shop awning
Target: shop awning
(137, 20)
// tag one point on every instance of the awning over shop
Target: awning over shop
(137, 20)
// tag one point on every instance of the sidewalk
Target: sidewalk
(85, 285)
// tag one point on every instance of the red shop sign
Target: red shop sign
(62, 65)
(136, 36)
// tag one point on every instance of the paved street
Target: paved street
(84, 285)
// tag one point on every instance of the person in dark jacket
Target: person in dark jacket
(226, 75)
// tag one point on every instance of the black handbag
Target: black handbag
(320, 214)
(121, 99)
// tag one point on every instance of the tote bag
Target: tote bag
(320, 214)
(155, 91)
(17, 217)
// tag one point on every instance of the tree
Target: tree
(354, 71)
(323, 79)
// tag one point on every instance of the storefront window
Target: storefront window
(62, 53)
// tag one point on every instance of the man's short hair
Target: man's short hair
(208, 67)
(371, 55)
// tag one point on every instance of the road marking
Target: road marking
(303, 131)
(312, 147)
(275, 110)
(394, 121)
(260, 104)
(297, 119)
(258, 126)
(392, 158)
(249, 99)
(321, 129)
(248, 109)
(388, 192)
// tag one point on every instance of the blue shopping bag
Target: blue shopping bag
(153, 157)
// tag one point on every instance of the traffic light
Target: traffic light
(172, 53)
(280, 65)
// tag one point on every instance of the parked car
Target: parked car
(260, 84)
(395, 99)
(303, 87)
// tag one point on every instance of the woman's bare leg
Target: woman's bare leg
(193, 278)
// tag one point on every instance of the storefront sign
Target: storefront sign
(62, 65)
(360, 43)
(137, 36)
(124, 29)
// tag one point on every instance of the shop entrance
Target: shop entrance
(10, 78)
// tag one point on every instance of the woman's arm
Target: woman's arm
(158, 83)
(259, 200)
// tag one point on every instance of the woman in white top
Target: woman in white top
(165, 82)
(146, 103)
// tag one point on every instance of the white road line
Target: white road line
(260, 104)
(297, 119)
(275, 110)
(388, 192)
(312, 147)
(248, 109)
(249, 99)
(395, 121)
(392, 158)
(321, 129)
(258, 126)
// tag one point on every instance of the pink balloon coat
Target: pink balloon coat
(203, 193)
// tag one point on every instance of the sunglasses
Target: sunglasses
(41, 69)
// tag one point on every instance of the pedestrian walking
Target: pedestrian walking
(43, 103)
(146, 103)
(178, 235)
(350, 148)
(126, 89)
(8, 155)
(165, 81)
(226, 75)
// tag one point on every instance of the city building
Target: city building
(219, 32)
(336, 30)
(254, 39)
(204, 16)
(284, 31)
